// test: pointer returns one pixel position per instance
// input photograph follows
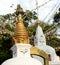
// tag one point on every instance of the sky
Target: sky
(5, 7)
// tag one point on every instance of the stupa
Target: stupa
(21, 47)
(40, 42)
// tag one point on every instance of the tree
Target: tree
(4, 55)
(6, 43)
(26, 15)
(57, 17)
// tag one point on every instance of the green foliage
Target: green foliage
(25, 24)
(56, 17)
(58, 52)
(9, 28)
(4, 55)
(6, 43)
(7, 16)
(31, 30)
(57, 41)
(1, 39)
(30, 15)
(53, 41)
(47, 27)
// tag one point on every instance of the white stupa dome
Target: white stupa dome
(22, 61)
(22, 57)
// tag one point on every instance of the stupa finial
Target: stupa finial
(37, 21)
(20, 35)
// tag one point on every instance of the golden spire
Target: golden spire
(20, 35)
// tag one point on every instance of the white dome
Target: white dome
(22, 61)
(21, 56)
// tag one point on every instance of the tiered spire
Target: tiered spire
(20, 35)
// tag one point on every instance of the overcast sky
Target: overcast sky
(5, 6)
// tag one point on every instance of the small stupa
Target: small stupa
(40, 42)
(21, 47)
(39, 38)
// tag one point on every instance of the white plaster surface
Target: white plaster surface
(40, 42)
(21, 56)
